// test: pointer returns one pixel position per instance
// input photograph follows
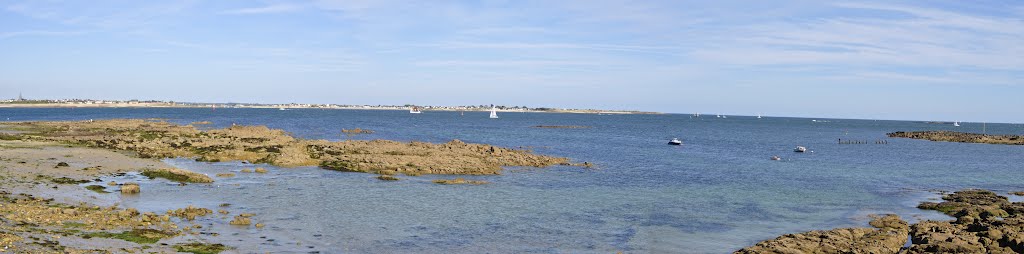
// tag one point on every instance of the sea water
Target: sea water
(715, 194)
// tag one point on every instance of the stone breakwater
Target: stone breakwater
(952, 136)
(985, 223)
(259, 144)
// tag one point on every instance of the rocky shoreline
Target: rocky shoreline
(962, 137)
(259, 144)
(985, 223)
(53, 200)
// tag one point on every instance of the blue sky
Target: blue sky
(937, 60)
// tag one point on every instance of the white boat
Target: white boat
(675, 142)
(718, 115)
(800, 149)
(282, 109)
(776, 158)
(414, 110)
(494, 113)
(956, 124)
(758, 116)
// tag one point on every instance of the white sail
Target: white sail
(494, 112)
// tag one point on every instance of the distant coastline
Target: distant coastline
(165, 104)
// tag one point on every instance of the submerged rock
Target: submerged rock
(387, 178)
(458, 181)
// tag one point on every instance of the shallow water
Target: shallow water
(716, 193)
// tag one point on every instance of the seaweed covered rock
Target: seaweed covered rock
(888, 236)
(190, 212)
(177, 175)
(985, 223)
(952, 136)
(259, 144)
(130, 188)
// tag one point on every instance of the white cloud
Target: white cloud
(40, 33)
(926, 39)
(274, 8)
(504, 63)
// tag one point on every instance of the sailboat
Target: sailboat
(494, 113)
(758, 115)
(414, 110)
(956, 124)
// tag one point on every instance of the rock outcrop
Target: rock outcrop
(952, 136)
(259, 144)
(889, 234)
(985, 223)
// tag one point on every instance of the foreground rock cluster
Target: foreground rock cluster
(259, 144)
(952, 136)
(33, 225)
(985, 223)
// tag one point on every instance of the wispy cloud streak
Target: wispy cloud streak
(275, 8)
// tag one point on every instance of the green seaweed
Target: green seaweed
(169, 175)
(72, 224)
(5, 136)
(97, 188)
(65, 180)
(140, 236)
(200, 248)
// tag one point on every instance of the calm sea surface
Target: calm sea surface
(715, 194)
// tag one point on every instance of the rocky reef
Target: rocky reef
(561, 126)
(985, 223)
(889, 234)
(259, 144)
(458, 181)
(33, 225)
(962, 137)
(177, 175)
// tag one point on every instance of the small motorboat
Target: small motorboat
(675, 142)
(776, 158)
(800, 149)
